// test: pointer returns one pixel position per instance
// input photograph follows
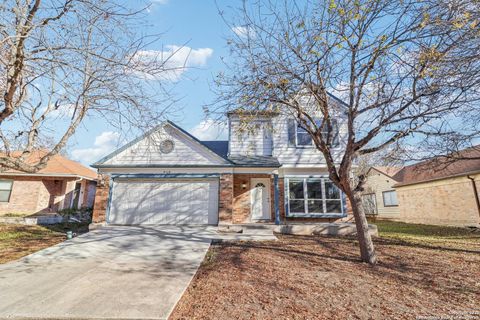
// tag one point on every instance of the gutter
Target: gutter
(475, 191)
(50, 175)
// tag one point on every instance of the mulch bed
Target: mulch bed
(322, 278)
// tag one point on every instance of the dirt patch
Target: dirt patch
(322, 278)
(17, 241)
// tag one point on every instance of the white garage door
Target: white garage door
(164, 202)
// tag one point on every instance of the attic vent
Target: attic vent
(166, 146)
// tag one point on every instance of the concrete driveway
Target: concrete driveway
(111, 273)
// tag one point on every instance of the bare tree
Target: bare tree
(62, 61)
(403, 69)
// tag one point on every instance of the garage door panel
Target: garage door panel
(164, 202)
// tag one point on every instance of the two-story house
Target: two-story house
(271, 173)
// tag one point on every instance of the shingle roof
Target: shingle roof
(57, 165)
(462, 163)
(219, 147)
(255, 161)
(389, 171)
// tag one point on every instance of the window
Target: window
(296, 196)
(369, 204)
(313, 196)
(5, 190)
(390, 198)
(303, 138)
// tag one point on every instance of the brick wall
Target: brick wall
(444, 202)
(33, 195)
(225, 200)
(51, 193)
(101, 199)
(69, 193)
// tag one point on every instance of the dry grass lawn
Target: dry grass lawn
(17, 241)
(418, 274)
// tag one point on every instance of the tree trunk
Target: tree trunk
(367, 251)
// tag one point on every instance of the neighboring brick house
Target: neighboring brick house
(443, 190)
(270, 174)
(63, 183)
(379, 197)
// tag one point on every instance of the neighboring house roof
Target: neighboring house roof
(58, 165)
(388, 171)
(459, 164)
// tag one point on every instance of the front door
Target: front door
(260, 199)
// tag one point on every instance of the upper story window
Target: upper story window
(299, 137)
(5, 190)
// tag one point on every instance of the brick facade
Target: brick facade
(225, 200)
(448, 201)
(101, 199)
(31, 195)
(234, 205)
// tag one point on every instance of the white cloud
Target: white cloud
(243, 32)
(170, 63)
(104, 144)
(210, 129)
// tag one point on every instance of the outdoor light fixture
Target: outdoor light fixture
(244, 186)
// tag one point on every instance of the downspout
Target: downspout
(475, 191)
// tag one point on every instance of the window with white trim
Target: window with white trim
(5, 190)
(313, 196)
(303, 138)
(390, 198)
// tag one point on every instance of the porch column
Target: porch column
(276, 199)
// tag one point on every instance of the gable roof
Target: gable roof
(202, 143)
(58, 165)
(461, 163)
(388, 171)
(101, 162)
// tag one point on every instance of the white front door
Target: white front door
(260, 198)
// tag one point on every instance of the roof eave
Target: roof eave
(398, 185)
(59, 175)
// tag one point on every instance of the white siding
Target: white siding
(269, 137)
(147, 152)
(256, 141)
(292, 155)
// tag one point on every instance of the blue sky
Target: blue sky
(197, 25)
